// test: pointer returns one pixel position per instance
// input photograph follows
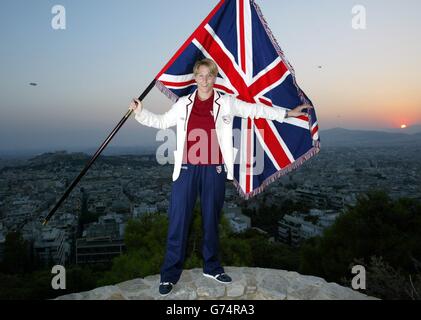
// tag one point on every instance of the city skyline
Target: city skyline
(64, 89)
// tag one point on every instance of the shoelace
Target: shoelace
(166, 283)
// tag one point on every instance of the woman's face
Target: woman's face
(204, 79)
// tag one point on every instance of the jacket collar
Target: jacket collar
(216, 104)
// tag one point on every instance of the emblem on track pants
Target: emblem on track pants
(219, 169)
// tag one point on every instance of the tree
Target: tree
(376, 226)
(267, 254)
(387, 282)
(16, 254)
(145, 240)
(37, 285)
(267, 217)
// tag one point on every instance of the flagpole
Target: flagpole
(96, 155)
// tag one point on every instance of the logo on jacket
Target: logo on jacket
(226, 119)
(219, 169)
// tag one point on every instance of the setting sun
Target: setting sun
(403, 126)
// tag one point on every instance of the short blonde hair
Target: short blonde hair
(213, 68)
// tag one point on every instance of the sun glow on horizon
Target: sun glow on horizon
(403, 126)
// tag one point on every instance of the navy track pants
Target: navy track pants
(207, 181)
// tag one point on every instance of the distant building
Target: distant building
(98, 249)
(294, 228)
(102, 241)
(112, 225)
(51, 247)
(326, 198)
(289, 230)
(143, 208)
(237, 221)
(316, 197)
(97, 206)
(121, 205)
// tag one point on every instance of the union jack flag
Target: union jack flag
(253, 68)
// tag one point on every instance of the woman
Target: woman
(202, 166)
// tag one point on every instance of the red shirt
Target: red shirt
(202, 142)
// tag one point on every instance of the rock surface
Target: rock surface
(248, 283)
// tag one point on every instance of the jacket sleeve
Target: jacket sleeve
(158, 121)
(243, 109)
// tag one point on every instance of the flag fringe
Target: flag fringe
(297, 163)
(316, 143)
(279, 50)
(167, 92)
(281, 54)
(272, 37)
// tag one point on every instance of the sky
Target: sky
(111, 50)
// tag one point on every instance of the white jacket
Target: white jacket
(225, 107)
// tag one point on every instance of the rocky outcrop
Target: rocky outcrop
(248, 283)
